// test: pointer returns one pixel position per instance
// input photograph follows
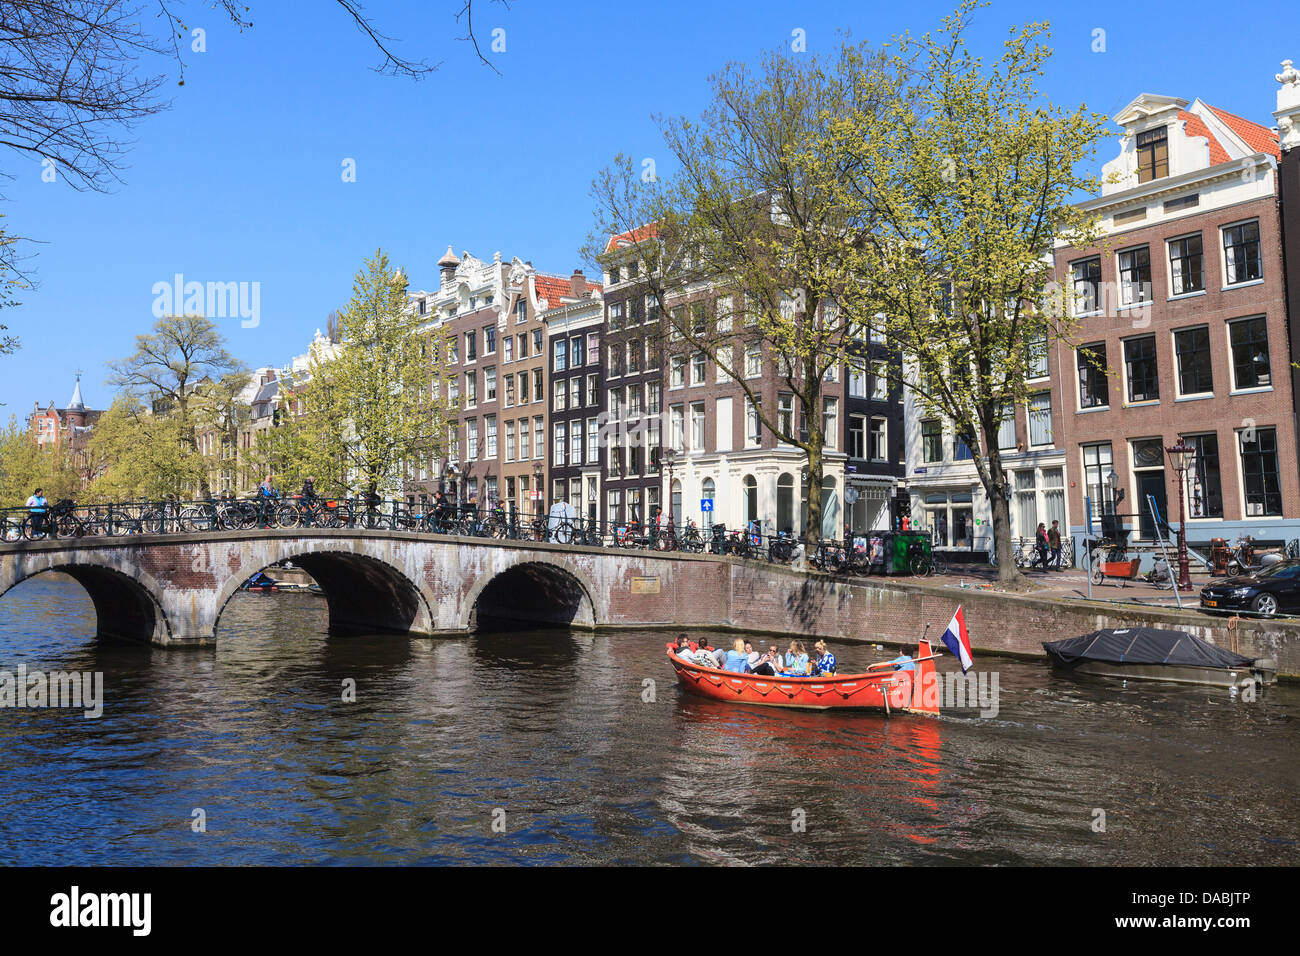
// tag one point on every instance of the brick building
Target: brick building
(1183, 332)
(574, 317)
(67, 429)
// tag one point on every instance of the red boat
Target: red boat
(880, 688)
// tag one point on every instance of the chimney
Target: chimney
(578, 281)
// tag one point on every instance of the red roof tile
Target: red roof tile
(633, 235)
(555, 288)
(1195, 126)
(1259, 138)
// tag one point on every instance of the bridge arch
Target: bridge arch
(364, 594)
(127, 606)
(531, 593)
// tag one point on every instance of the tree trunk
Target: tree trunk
(1000, 508)
(812, 531)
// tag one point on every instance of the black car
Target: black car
(1272, 590)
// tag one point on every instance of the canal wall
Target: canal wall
(785, 602)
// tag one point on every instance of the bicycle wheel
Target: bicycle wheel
(921, 565)
(937, 564)
(287, 516)
(563, 533)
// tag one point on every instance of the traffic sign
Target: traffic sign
(706, 504)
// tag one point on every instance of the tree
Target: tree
(369, 404)
(968, 177)
(173, 368)
(26, 466)
(143, 456)
(755, 214)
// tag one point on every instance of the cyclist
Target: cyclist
(309, 498)
(265, 493)
(39, 509)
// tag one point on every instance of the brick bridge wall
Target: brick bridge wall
(170, 590)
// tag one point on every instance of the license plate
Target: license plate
(1210, 603)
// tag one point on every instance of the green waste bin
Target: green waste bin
(900, 549)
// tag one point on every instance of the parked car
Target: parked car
(1266, 592)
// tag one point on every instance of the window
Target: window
(1040, 419)
(857, 436)
(1204, 490)
(785, 415)
(724, 360)
(880, 382)
(615, 404)
(931, 440)
(1185, 265)
(677, 375)
(593, 348)
(1097, 461)
(1036, 356)
(651, 308)
(508, 348)
(1250, 367)
(575, 443)
(510, 443)
(490, 340)
(615, 354)
(523, 439)
(539, 393)
(753, 422)
(523, 388)
(1007, 429)
(560, 400)
(592, 396)
(697, 426)
(576, 356)
(1094, 388)
(1259, 471)
(961, 450)
(633, 356)
(1140, 360)
(1241, 253)
(490, 431)
(830, 422)
(561, 355)
(453, 392)
(1153, 154)
(724, 308)
(1135, 276)
(1086, 276)
(471, 439)
(615, 274)
(471, 346)
(615, 513)
(490, 384)
(675, 427)
(593, 442)
(879, 444)
(699, 319)
(697, 368)
(522, 338)
(652, 448)
(753, 361)
(521, 311)
(539, 437)
(634, 401)
(857, 379)
(471, 389)
(561, 444)
(1192, 349)
(615, 316)
(652, 391)
(537, 341)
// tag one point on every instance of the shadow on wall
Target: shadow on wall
(532, 595)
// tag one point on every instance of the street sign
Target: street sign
(706, 504)
(850, 494)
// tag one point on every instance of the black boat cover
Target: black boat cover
(1144, 645)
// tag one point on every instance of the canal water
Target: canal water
(545, 747)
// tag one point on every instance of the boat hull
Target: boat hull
(888, 691)
(1179, 674)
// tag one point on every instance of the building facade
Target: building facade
(1182, 333)
(575, 319)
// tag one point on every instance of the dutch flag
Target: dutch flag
(958, 641)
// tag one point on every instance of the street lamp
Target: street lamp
(668, 457)
(1181, 456)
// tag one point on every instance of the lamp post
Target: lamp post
(668, 457)
(1181, 455)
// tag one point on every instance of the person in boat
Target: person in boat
(683, 648)
(737, 660)
(904, 661)
(796, 660)
(769, 664)
(824, 662)
(751, 656)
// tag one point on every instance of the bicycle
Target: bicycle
(829, 556)
(691, 541)
(918, 562)
(781, 550)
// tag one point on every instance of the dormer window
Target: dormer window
(1153, 154)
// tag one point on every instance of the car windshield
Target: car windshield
(1284, 570)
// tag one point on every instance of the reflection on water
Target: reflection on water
(551, 728)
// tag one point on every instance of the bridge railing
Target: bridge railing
(68, 520)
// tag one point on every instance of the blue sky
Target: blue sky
(240, 181)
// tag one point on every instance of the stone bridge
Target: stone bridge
(170, 590)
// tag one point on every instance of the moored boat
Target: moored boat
(879, 688)
(1148, 653)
